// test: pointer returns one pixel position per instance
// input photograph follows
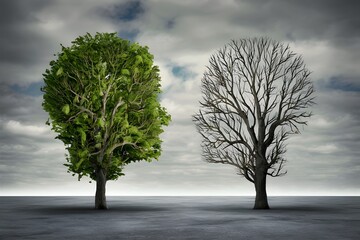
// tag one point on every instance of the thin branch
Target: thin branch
(255, 94)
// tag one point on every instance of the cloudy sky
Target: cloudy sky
(323, 160)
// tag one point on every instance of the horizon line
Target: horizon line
(282, 195)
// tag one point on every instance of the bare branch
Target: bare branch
(255, 94)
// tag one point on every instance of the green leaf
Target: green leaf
(59, 71)
(76, 99)
(98, 137)
(66, 109)
(138, 59)
(133, 130)
(128, 139)
(82, 136)
(104, 65)
(103, 69)
(83, 153)
(125, 71)
(134, 47)
(78, 164)
(101, 123)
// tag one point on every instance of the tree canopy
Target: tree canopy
(102, 96)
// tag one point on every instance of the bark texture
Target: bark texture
(261, 201)
(100, 197)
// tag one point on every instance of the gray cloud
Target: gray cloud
(335, 20)
(21, 45)
(182, 35)
(18, 41)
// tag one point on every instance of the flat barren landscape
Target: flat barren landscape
(179, 218)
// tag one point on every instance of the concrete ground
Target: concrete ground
(290, 218)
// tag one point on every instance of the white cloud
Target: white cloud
(325, 60)
(63, 21)
(325, 149)
(15, 127)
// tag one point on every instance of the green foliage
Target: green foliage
(101, 94)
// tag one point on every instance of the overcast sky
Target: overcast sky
(322, 160)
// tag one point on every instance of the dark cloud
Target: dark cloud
(32, 89)
(340, 83)
(124, 11)
(16, 11)
(24, 108)
(332, 20)
(182, 72)
(170, 23)
(20, 44)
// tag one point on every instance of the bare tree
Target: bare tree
(255, 94)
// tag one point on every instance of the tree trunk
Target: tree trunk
(261, 201)
(100, 197)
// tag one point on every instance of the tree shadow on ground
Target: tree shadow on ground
(303, 209)
(278, 209)
(60, 210)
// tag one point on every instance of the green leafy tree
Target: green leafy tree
(101, 94)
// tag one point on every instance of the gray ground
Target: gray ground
(159, 218)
